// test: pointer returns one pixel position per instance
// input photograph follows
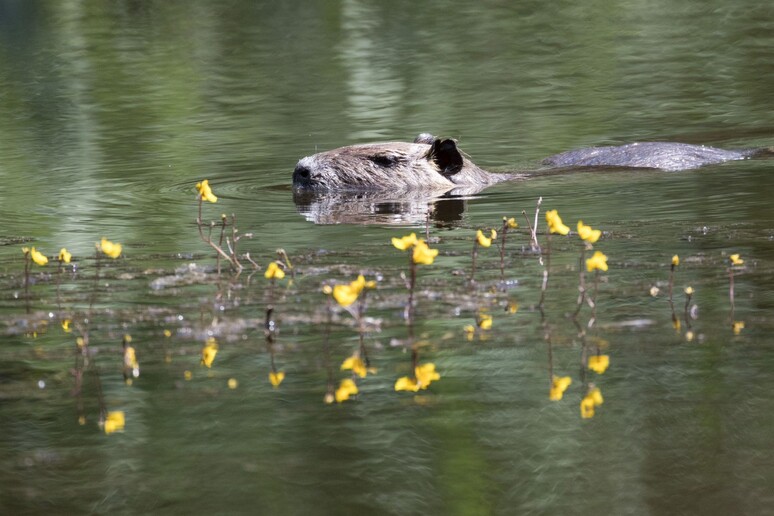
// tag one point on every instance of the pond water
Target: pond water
(110, 112)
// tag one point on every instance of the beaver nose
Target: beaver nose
(301, 174)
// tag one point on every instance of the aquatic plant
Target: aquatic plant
(590, 401)
(421, 254)
(735, 260)
(508, 223)
(481, 240)
(559, 384)
(424, 375)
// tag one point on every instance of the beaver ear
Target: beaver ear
(446, 156)
(424, 138)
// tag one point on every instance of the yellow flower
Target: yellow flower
(587, 233)
(37, 256)
(187, 375)
(738, 327)
(423, 254)
(66, 325)
(405, 242)
(599, 363)
(356, 365)
(233, 383)
(347, 388)
(64, 256)
(209, 351)
(111, 249)
(689, 291)
(513, 307)
(735, 259)
(276, 377)
(676, 324)
(205, 191)
(511, 223)
(274, 271)
(345, 295)
(589, 402)
(558, 386)
(675, 261)
(114, 422)
(404, 383)
(555, 224)
(130, 360)
(484, 241)
(426, 374)
(597, 262)
(485, 321)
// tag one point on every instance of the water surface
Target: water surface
(110, 113)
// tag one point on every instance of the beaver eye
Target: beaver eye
(384, 160)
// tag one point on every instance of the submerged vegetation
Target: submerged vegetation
(346, 306)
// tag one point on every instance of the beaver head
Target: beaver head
(426, 163)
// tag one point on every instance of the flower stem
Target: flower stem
(581, 283)
(544, 286)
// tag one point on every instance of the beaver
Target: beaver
(433, 163)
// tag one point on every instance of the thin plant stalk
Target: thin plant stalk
(546, 270)
(27, 267)
(581, 283)
(409, 313)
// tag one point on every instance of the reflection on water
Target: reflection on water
(413, 208)
(112, 112)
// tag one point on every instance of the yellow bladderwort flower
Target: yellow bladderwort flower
(423, 254)
(347, 388)
(597, 262)
(209, 351)
(276, 377)
(424, 375)
(559, 384)
(485, 241)
(511, 223)
(114, 422)
(37, 256)
(405, 383)
(405, 242)
(555, 224)
(675, 261)
(111, 249)
(738, 327)
(205, 191)
(274, 271)
(130, 360)
(485, 321)
(66, 325)
(356, 364)
(64, 256)
(735, 259)
(599, 363)
(589, 402)
(689, 291)
(587, 233)
(233, 383)
(345, 295)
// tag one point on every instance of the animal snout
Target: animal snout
(302, 175)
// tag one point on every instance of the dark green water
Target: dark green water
(110, 112)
